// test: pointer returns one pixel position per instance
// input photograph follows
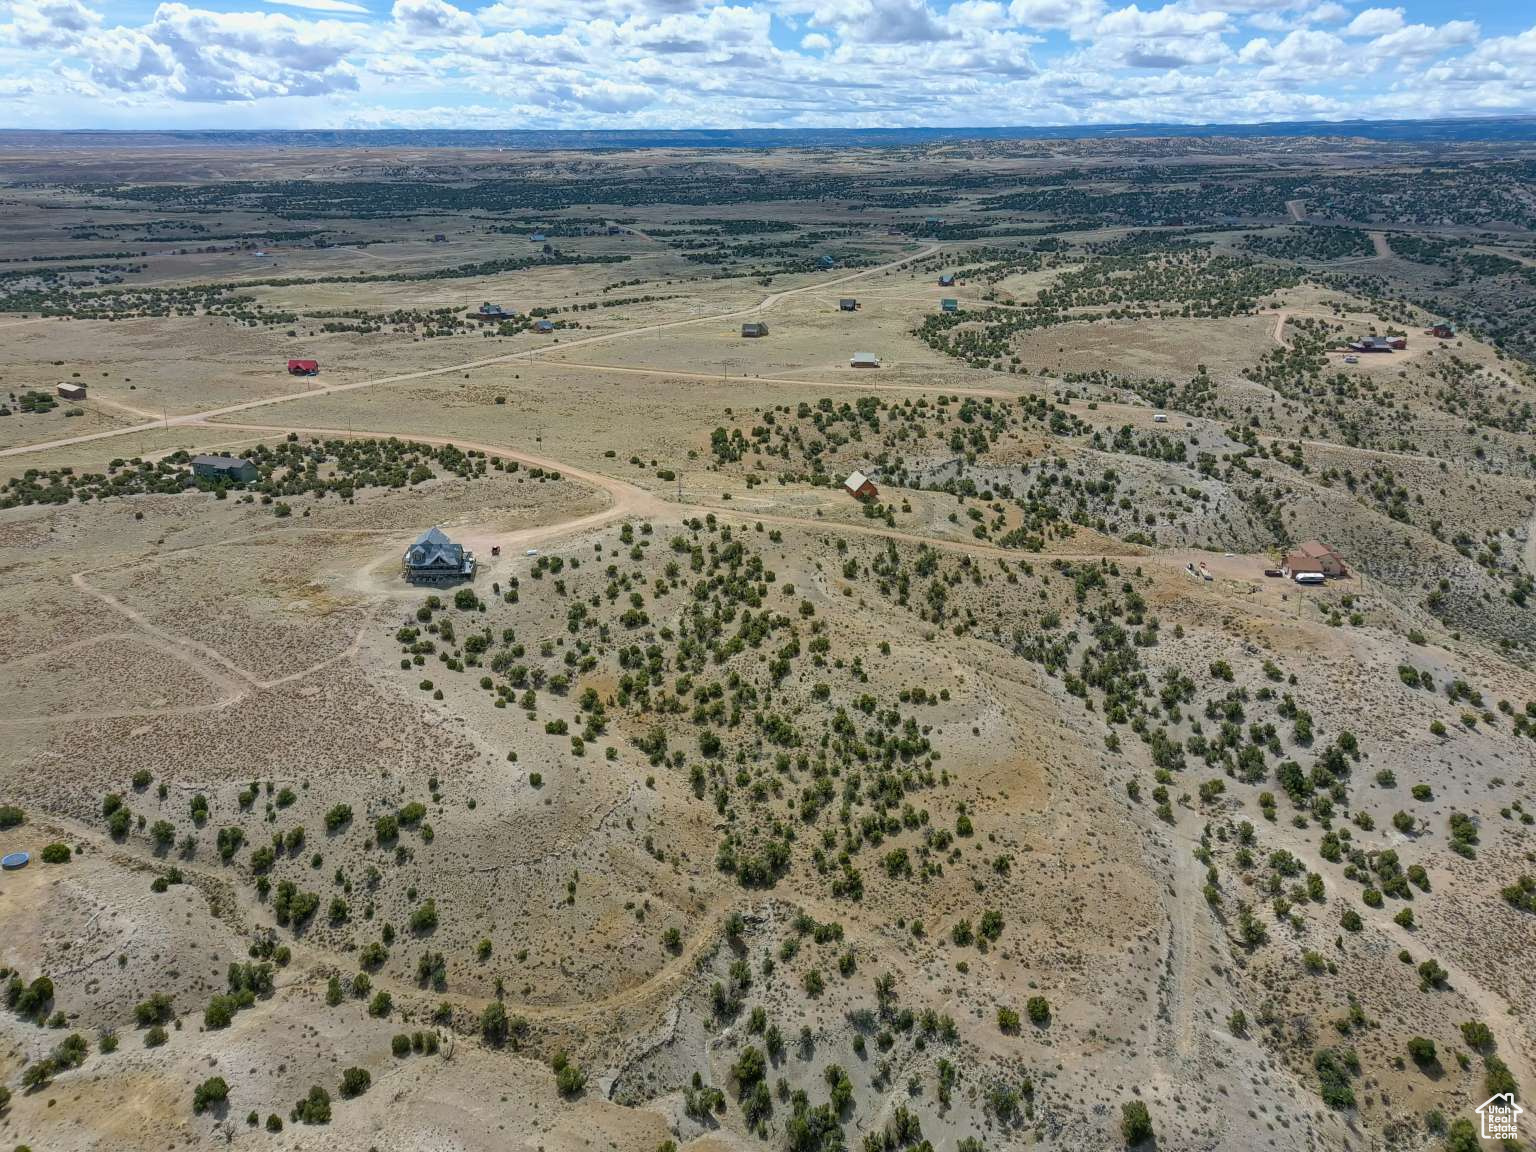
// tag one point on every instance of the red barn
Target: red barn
(303, 367)
(860, 486)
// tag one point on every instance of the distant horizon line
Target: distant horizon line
(1511, 127)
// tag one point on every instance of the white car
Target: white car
(1351, 359)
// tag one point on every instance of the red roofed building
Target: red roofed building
(1314, 556)
(303, 367)
(860, 486)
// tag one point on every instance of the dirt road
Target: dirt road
(766, 303)
(1279, 333)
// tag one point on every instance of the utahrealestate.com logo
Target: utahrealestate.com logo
(1500, 1116)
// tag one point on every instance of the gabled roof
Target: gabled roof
(1301, 562)
(1316, 549)
(433, 549)
(223, 463)
(855, 481)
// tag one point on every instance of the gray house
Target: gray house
(757, 329)
(435, 559)
(224, 468)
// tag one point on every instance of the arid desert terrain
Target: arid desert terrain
(1021, 797)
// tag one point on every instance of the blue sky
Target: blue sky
(754, 63)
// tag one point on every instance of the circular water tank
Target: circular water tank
(15, 860)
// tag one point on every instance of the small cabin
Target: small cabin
(949, 304)
(543, 325)
(71, 391)
(1441, 332)
(754, 330)
(439, 238)
(863, 360)
(435, 559)
(860, 486)
(303, 367)
(224, 468)
(847, 304)
(947, 280)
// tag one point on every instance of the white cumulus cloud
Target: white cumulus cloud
(1375, 22)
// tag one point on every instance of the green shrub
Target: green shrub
(158, 1009)
(1477, 1036)
(424, 918)
(570, 1080)
(1135, 1123)
(1497, 1078)
(493, 1023)
(209, 1094)
(314, 1108)
(1334, 1068)
(57, 853)
(220, 1012)
(354, 1082)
